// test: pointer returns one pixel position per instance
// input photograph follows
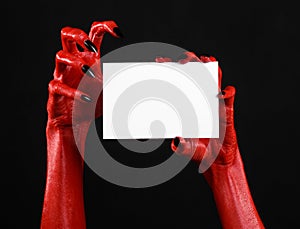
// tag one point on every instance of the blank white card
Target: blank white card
(160, 100)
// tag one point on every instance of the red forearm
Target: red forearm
(63, 200)
(232, 195)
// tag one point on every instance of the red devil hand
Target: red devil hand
(223, 166)
(80, 56)
(220, 150)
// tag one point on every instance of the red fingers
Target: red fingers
(204, 148)
(77, 67)
(98, 29)
(222, 152)
(188, 57)
(64, 59)
(228, 95)
(191, 57)
(182, 59)
(206, 59)
(194, 148)
(55, 87)
(71, 37)
(162, 59)
(78, 64)
(79, 57)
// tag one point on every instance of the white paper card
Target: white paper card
(160, 100)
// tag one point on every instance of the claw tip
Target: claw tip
(86, 98)
(90, 45)
(118, 32)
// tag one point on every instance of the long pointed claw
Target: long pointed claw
(90, 45)
(86, 98)
(98, 29)
(118, 32)
(87, 70)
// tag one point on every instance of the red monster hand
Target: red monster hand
(80, 55)
(221, 162)
(218, 150)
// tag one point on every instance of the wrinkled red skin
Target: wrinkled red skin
(63, 200)
(226, 175)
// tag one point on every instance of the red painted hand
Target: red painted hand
(223, 149)
(223, 167)
(80, 55)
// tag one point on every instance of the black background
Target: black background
(258, 51)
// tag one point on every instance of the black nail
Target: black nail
(86, 69)
(118, 32)
(181, 57)
(79, 47)
(90, 46)
(176, 141)
(86, 98)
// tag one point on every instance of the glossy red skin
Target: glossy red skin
(226, 175)
(63, 201)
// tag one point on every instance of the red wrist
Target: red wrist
(232, 195)
(63, 200)
(218, 171)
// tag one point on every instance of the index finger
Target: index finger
(98, 29)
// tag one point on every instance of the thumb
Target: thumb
(226, 107)
(228, 95)
(193, 148)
